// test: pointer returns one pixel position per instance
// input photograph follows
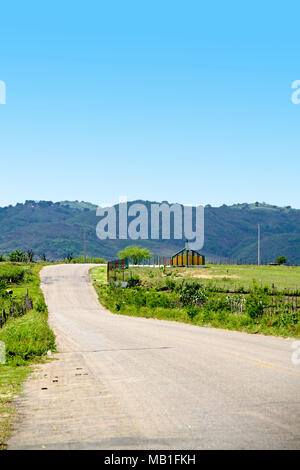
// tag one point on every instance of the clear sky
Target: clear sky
(162, 100)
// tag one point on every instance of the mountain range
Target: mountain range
(57, 228)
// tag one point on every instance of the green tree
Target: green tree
(135, 253)
(17, 256)
(281, 259)
(30, 255)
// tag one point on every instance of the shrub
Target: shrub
(281, 259)
(133, 281)
(17, 256)
(139, 298)
(192, 311)
(171, 284)
(193, 294)
(255, 303)
(286, 319)
(159, 286)
(219, 303)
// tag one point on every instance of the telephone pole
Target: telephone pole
(84, 244)
(258, 244)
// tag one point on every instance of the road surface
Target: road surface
(134, 383)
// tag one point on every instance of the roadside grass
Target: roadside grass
(176, 295)
(99, 274)
(27, 339)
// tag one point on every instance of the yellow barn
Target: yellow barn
(186, 257)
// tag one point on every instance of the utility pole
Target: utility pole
(187, 252)
(258, 244)
(84, 244)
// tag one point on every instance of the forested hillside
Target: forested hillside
(230, 231)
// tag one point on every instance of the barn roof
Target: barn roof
(184, 249)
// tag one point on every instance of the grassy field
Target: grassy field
(284, 278)
(27, 338)
(247, 298)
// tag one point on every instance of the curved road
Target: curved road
(134, 383)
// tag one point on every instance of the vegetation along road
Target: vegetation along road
(129, 382)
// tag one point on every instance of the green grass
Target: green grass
(230, 277)
(98, 274)
(27, 339)
(159, 294)
(12, 273)
(280, 325)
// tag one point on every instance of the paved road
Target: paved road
(128, 383)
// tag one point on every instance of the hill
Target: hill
(230, 231)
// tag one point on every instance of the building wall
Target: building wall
(181, 260)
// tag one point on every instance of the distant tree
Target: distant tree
(43, 257)
(30, 255)
(135, 252)
(17, 256)
(281, 259)
(2, 258)
(69, 257)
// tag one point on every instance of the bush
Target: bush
(281, 260)
(192, 311)
(138, 297)
(219, 303)
(171, 284)
(255, 303)
(286, 319)
(17, 256)
(133, 281)
(193, 294)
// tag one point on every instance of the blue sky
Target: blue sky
(182, 101)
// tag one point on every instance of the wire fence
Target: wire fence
(276, 305)
(16, 310)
